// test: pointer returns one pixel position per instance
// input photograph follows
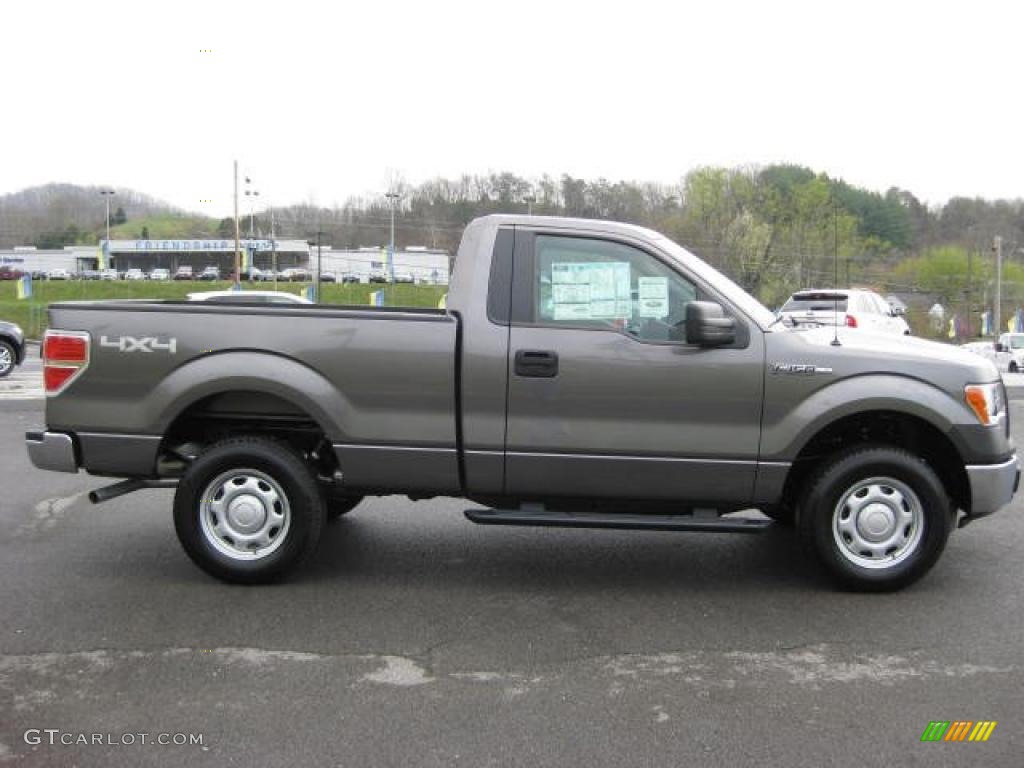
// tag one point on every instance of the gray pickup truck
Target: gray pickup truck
(584, 373)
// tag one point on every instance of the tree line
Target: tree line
(773, 229)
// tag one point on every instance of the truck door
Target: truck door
(605, 397)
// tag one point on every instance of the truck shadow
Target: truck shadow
(362, 549)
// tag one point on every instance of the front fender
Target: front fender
(788, 427)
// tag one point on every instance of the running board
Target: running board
(620, 521)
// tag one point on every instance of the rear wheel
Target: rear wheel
(7, 358)
(877, 518)
(248, 510)
(1013, 367)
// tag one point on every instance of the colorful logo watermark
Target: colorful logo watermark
(958, 730)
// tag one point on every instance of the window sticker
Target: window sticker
(652, 298)
(591, 290)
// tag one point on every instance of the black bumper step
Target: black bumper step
(620, 521)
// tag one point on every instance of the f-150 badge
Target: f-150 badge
(795, 369)
(140, 344)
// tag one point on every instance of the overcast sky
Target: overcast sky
(320, 101)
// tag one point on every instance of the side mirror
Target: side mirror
(999, 347)
(707, 325)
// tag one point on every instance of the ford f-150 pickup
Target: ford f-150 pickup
(583, 373)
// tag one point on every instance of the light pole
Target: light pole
(107, 194)
(997, 246)
(311, 243)
(529, 200)
(251, 195)
(393, 198)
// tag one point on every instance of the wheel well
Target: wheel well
(890, 428)
(238, 412)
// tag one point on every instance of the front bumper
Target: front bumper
(51, 450)
(992, 485)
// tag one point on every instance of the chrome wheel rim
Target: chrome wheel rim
(244, 514)
(878, 523)
(6, 359)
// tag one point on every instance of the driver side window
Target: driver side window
(590, 283)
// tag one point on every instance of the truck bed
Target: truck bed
(379, 382)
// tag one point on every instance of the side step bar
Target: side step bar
(620, 521)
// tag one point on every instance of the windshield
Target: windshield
(1017, 342)
(733, 292)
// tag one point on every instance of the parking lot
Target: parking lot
(416, 638)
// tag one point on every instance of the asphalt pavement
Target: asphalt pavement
(417, 639)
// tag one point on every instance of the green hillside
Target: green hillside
(165, 227)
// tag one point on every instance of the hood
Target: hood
(862, 352)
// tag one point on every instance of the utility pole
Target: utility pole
(273, 248)
(393, 198)
(238, 250)
(107, 194)
(970, 259)
(998, 248)
(319, 262)
(530, 200)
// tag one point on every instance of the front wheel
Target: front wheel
(1013, 367)
(248, 510)
(877, 518)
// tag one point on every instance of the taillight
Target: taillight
(65, 356)
(851, 321)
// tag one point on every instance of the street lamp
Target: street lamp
(251, 195)
(311, 243)
(107, 194)
(393, 198)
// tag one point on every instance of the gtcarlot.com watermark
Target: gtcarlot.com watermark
(56, 737)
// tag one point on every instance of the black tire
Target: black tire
(339, 504)
(277, 485)
(896, 485)
(8, 358)
(1013, 367)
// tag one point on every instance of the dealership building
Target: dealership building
(424, 264)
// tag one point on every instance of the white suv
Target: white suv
(852, 308)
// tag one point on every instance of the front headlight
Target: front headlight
(986, 400)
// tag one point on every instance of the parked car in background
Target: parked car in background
(404, 276)
(349, 277)
(852, 308)
(12, 347)
(58, 274)
(294, 275)
(108, 274)
(1008, 352)
(328, 277)
(38, 274)
(378, 275)
(210, 273)
(248, 297)
(10, 273)
(89, 274)
(160, 274)
(134, 274)
(183, 273)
